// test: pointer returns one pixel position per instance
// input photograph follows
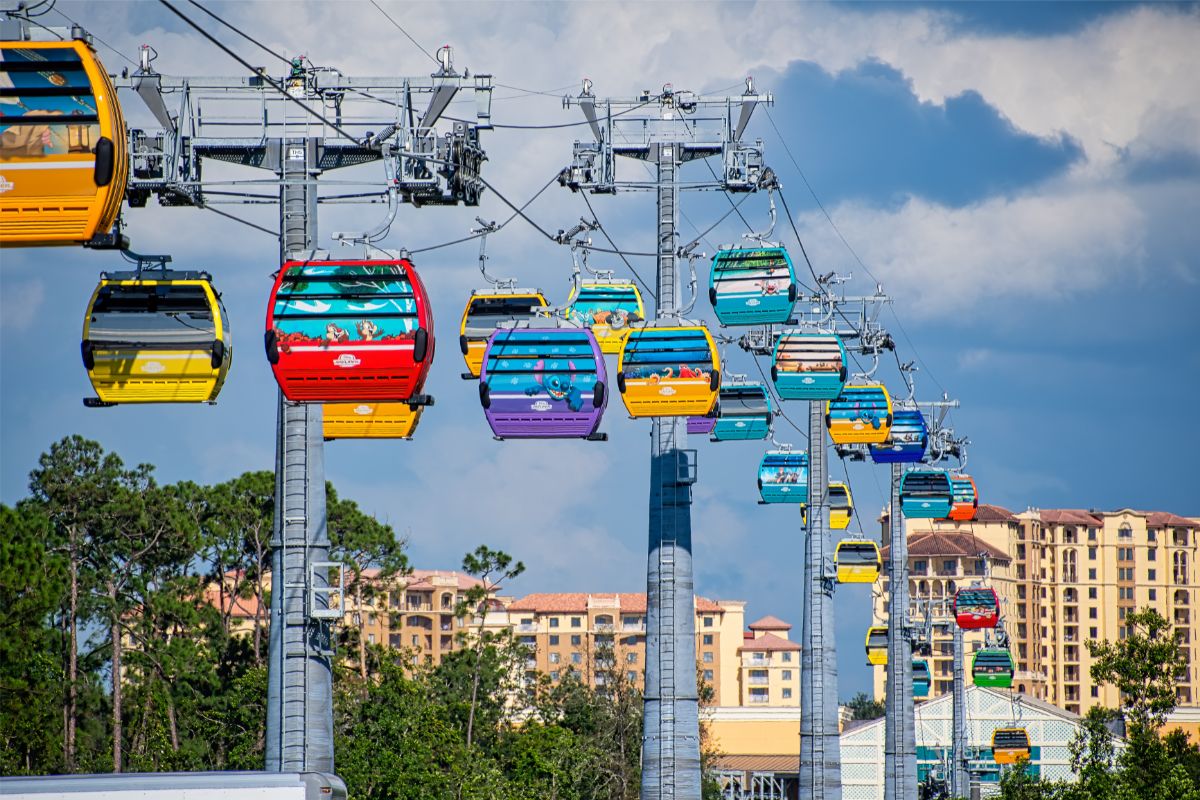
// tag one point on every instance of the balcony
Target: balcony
(759, 698)
(756, 660)
(415, 606)
(758, 680)
(604, 627)
(528, 627)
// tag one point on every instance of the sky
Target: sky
(1023, 179)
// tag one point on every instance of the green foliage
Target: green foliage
(863, 707)
(101, 564)
(1145, 666)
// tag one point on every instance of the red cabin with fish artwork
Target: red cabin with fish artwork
(354, 330)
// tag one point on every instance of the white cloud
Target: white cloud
(1069, 239)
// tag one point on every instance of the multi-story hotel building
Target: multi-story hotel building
(1064, 576)
(596, 635)
(593, 634)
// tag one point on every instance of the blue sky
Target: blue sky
(1024, 179)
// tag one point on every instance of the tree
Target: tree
(32, 584)
(1093, 753)
(72, 485)
(1145, 666)
(863, 707)
(238, 525)
(485, 564)
(371, 553)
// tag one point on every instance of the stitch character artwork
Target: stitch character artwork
(559, 387)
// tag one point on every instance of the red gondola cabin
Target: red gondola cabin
(976, 608)
(350, 330)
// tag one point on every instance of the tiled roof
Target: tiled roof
(423, 579)
(941, 543)
(990, 513)
(769, 623)
(1165, 519)
(1068, 516)
(577, 603)
(239, 607)
(768, 763)
(768, 642)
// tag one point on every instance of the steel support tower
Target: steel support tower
(674, 136)
(900, 746)
(820, 742)
(960, 785)
(671, 747)
(376, 119)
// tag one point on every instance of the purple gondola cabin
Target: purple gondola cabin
(544, 383)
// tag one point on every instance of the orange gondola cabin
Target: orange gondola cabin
(64, 157)
(350, 330)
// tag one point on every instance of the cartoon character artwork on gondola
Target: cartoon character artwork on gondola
(350, 331)
(543, 383)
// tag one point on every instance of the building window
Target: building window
(708, 657)
(1091, 534)
(1180, 564)
(1152, 574)
(576, 622)
(708, 622)
(631, 658)
(1092, 574)
(980, 567)
(554, 657)
(787, 658)
(554, 640)
(576, 640)
(631, 676)
(576, 658)
(371, 638)
(708, 674)
(1093, 613)
(1092, 593)
(1094, 633)
(920, 567)
(1152, 554)
(1095, 691)
(948, 565)
(787, 674)
(554, 675)
(554, 622)
(707, 639)
(1091, 554)
(758, 695)
(1153, 593)
(1151, 535)
(1125, 532)
(787, 694)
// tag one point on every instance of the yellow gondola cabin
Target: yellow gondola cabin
(370, 420)
(156, 336)
(484, 313)
(669, 372)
